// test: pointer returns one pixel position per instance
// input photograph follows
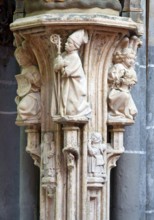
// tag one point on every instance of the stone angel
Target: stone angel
(121, 78)
(28, 99)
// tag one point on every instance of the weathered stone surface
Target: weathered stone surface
(35, 5)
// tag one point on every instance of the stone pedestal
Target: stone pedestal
(75, 152)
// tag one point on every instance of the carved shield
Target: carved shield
(24, 86)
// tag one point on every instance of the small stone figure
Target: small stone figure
(28, 99)
(73, 95)
(48, 155)
(96, 156)
(121, 78)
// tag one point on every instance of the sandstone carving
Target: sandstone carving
(33, 144)
(28, 99)
(121, 78)
(48, 155)
(96, 159)
(82, 89)
(70, 81)
(48, 163)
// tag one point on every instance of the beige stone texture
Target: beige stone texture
(74, 55)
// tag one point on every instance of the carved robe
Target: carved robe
(121, 79)
(96, 159)
(73, 98)
(28, 99)
(49, 159)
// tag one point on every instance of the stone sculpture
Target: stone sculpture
(48, 155)
(121, 78)
(33, 144)
(32, 5)
(96, 155)
(70, 86)
(48, 164)
(28, 99)
(75, 166)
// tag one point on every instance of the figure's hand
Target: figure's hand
(58, 63)
(103, 148)
(63, 72)
(91, 152)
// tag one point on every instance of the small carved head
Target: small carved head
(127, 57)
(76, 39)
(96, 137)
(48, 137)
(126, 51)
(70, 45)
(22, 56)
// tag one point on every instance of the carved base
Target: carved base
(70, 119)
(119, 121)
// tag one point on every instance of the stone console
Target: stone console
(74, 99)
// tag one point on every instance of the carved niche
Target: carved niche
(73, 94)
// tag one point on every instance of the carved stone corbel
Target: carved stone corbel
(33, 143)
(83, 75)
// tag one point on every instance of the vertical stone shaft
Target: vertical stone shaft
(71, 153)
